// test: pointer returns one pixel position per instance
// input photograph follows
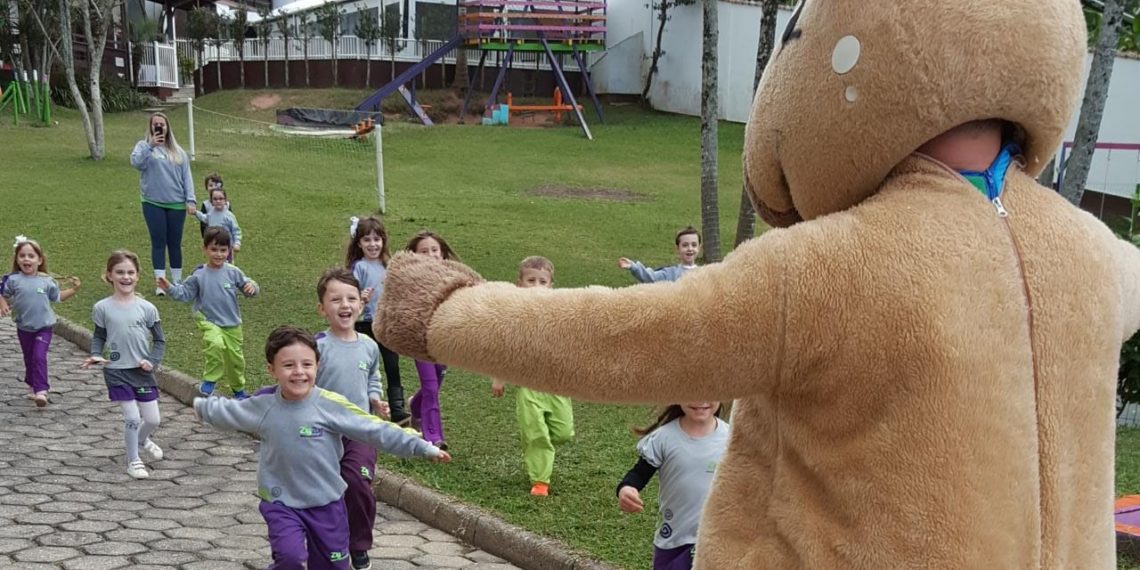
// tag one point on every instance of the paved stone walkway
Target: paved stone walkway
(66, 500)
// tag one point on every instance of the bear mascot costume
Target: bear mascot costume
(923, 352)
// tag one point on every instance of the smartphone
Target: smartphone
(157, 129)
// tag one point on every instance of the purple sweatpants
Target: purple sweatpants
(35, 346)
(680, 558)
(357, 468)
(318, 536)
(424, 406)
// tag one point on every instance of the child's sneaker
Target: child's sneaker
(240, 395)
(41, 399)
(137, 470)
(540, 490)
(152, 449)
(206, 388)
(360, 560)
(158, 292)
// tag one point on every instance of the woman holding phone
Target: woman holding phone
(167, 195)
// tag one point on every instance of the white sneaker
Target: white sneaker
(137, 470)
(152, 449)
(159, 292)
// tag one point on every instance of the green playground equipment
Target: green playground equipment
(27, 96)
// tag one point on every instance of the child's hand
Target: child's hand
(163, 284)
(366, 294)
(629, 500)
(498, 388)
(624, 263)
(250, 288)
(4, 308)
(237, 247)
(443, 457)
(92, 360)
(191, 210)
(75, 283)
(146, 365)
(380, 408)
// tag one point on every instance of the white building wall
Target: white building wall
(1116, 172)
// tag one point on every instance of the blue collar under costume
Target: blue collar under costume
(992, 181)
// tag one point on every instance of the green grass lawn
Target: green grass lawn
(472, 184)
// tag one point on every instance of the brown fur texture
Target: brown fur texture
(923, 383)
(424, 284)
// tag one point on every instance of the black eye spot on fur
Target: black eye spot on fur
(790, 31)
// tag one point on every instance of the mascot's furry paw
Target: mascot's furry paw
(415, 286)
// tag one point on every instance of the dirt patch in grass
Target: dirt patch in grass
(265, 101)
(588, 193)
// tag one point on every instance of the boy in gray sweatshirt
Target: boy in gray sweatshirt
(298, 469)
(688, 242)
(214, 288)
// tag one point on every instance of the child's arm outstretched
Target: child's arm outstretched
(642, 273)
(356, 424)
(248, 286)
(234, 415)
(184, 291)
(201, 215)
(235, 230)
(70, 291)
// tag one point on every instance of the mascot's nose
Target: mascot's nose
(771, 217)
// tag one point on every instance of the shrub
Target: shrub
(118, 95)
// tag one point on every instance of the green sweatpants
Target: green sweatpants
(221, 347)
(545, 420)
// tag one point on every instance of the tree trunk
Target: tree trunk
(368, 65)
(286, 61)
(662, 17)
(306, 62)
(392, 62)
(746, 220)
(462, 82)
(265, 47)
(218, 65)
(710, 217)
(200, 87)
(68, 55)
(1046, 178)
(336, 77)
(1092, 109)
(97, 43)
(241, 62)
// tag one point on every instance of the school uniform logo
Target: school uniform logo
(338, 556)
(711, 467)
(39, 290)
(311, 431)
(666, 530)
(362, 365)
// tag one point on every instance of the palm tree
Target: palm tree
(710, 216)
(746, 221)
(221, 29)
(286, 29)
(305, 34)
(238, 25)
(1092, 109)
(367, 29)
(264, 29)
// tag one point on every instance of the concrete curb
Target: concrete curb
(468, 523)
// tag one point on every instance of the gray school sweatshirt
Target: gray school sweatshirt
(370, 274)
(214, 292)
(350, 368)
(30, 298)
(222, 218)
(647, 275)
(161, 180)
(298, 464)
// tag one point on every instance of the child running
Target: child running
(217, 214)
(545, 420)
(301, 429)
(127, 327)
(688, 242)
(686, 444)
(214, 289)
(424, 406)
(31, 292)
(349, 363)
(367, 259)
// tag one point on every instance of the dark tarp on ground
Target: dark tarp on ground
(324, 118)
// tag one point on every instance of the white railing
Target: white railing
(351, 47)
(159, 66)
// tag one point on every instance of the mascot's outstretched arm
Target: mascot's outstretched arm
(716, 334)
